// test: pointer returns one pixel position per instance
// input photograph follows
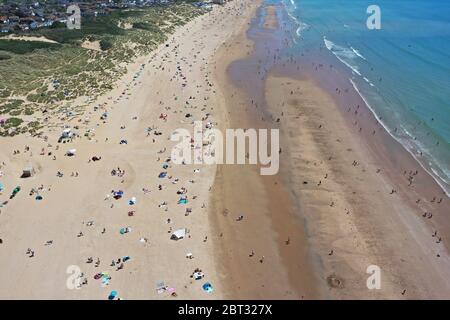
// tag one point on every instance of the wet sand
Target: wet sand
(269, 216)
(333, 191)
(271, 21)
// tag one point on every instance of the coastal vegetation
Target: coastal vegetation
(56, 65)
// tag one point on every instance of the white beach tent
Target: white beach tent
(67, 133)
(71, 152)
(178, 234)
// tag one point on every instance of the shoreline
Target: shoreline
(269, 218)
(417, 230)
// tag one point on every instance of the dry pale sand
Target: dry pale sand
(174, 80)
(91, 45)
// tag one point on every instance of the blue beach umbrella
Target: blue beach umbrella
(208, 287)
(112, 295)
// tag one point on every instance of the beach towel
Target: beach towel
(160, 287)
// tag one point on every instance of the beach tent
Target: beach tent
(71, 152)
(67, 133)
(104, 116)
(178, 234)
(198, 275)
(117, 194)
(160, 287)
(125, 230)
(183, 200)
(2, 187)
(27, 172)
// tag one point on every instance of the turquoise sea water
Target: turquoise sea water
(402, 71)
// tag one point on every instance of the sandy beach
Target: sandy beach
(340, 202)
(71, 217)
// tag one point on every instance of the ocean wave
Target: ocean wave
(358, 53)
(301, 25)
(410, 144)
(343, 54)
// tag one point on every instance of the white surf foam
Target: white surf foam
(431, 171)
(358, 53)
(343, 54)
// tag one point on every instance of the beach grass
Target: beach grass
(43, 75)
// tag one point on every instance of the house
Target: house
(13, 19)
(24, 27)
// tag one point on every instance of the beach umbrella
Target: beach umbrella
(208, 287)
(112, 295)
